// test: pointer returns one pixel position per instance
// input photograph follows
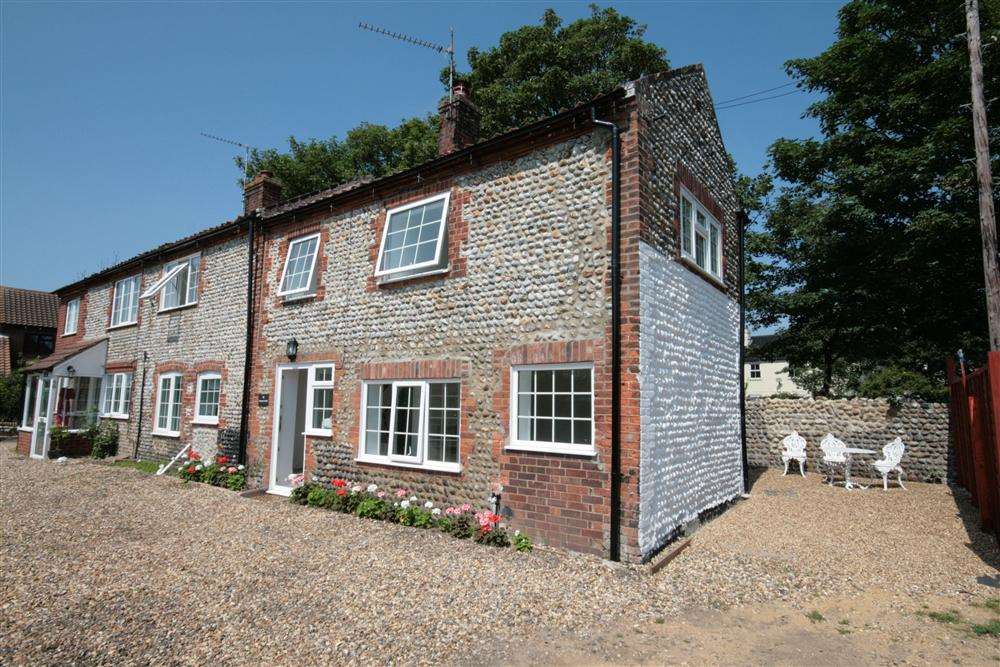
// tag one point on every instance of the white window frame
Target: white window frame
(120, 408)
(161, 282)
(206, 420)
(310, 287)
(446, 197)
(127, 314)
(29, 406)
(690, 254)
(550, 447)
(420, 460)
(311, 384)
(171, 274)
(179, 379)
(755, 368)
(73, 305)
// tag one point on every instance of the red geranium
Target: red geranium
(339, 483)
(341, 492)
(191, 470)
(222, 459)
(194, 456)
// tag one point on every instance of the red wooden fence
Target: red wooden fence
(975, 429)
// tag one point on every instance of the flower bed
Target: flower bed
(400, 507)
(218, 473)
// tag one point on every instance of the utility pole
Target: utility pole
(987, 216)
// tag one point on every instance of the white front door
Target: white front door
(288, 439)
(40, 436)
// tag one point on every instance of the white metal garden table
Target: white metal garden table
(849, 453)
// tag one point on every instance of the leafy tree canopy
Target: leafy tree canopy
(367, 150)
(534, 71)
(538, 70)
(869, 250)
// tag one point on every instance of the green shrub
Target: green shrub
(522, 542)
(374, 508)
(316, 497)
(105, 440)
(900, 384)
(299, 494)
(990, 628)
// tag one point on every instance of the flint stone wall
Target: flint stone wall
(859, 422)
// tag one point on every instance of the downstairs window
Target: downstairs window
(412, 423)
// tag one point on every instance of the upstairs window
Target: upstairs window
(181, 289)
(209, 390)
(413, 240)
(300, 267)
(125, 305)
(701, 235)
(116, 395)
(411, 423)
(72, 315)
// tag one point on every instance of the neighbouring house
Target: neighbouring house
(27, 326)
(766, 374)
(154, 344)
(450, 329)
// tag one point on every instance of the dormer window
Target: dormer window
(178, 285)
(182, 288)
(297, 280)
(701, 236)
(413, 240)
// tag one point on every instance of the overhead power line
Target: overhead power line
(759, 92)
(762, 99)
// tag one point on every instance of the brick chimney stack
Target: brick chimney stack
(262, 191)
(459, 121)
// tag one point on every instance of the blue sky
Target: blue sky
(102, 103)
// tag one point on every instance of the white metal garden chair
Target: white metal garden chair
(795, 450)
(892, 454)
(833, 455)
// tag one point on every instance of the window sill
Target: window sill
(116, 416)
(166, 434)
(26, 429)
(176, 308)
(297, 297)
(429, 467)
(317, 434)
(551, 448)
(205, 422)
(67, 335)
(707, 275)
(123, 325)
(392, 279)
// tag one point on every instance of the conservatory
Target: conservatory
(63, 391)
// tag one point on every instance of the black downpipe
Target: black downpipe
(742, 220)
(616, 317)
(248, 353)
(142, 403)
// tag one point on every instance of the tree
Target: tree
(534, 71)
(538, 70)
(368, 150)
(12, 395)
(871, 246)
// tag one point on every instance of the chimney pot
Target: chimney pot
(459, 120)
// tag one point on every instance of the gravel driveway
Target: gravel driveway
(103, 564)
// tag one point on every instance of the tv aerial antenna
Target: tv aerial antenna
(450, 50)
(246, 148)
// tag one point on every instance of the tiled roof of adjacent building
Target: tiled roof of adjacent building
(28, 307)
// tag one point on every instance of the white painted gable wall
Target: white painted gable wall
(690, 458)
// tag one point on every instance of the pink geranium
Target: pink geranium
(401, 493)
